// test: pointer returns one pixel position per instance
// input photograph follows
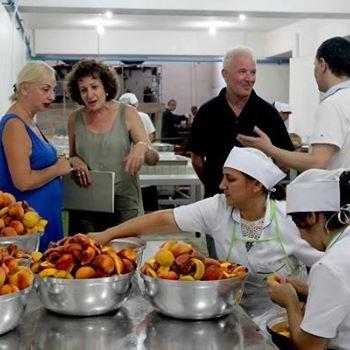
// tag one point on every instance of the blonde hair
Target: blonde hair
(236, 51)
(32, 72)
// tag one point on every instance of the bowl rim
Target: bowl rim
(191, 284)
(15, 295)
(20, 237)
(97, 280)
(136, 241)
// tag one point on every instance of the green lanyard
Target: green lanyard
(277, 237)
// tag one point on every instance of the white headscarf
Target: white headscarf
(314, 190)
(129, 99)
(255, 164)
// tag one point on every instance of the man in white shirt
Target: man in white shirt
(330, 141)
(132, 100)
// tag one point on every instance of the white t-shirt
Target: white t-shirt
(332, 126)
(147, 123)
(214, 217)
(327, 312)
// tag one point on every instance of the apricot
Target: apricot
(16, 211)
(36, 256)
(170, 275)
(63, 274)
(181, 248)
(30, 219)
(49, 272)
(200, 269)
(11, 263)
(65, 262)
(211, 261)
(35, 267)
(164, 257)
(7, 220)
(7, 289)
(30, 231)
(85, 272)
(4, 211)
(152, 262)
(186, 278)
(169, 244)
(2, 224)
(17, 226)
(21, 277)
(8, 232)
(212, 272)
(41, 225)
(183, 264)
(118, 263)
(103, 262)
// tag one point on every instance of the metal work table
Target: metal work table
(135, 326)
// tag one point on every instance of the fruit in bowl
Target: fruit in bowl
(17, 218)
(180, 261)
(80, 257)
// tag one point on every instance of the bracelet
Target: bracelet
(145, 144)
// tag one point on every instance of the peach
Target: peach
(88, 256)
(21, 277)
(7, 220)
(210, 261)
(200, 268)
(26, 206)
(128, 254)
(118, 263)
(186, 278)
(85, 272)
(6, 199)
(181, 248)
(169, 244)
(65, 262)
(104, 262)
(41, 225)
(164, 257)
(36, 256)
(212, 272)
(8, 232)
(2, 224)
(17, 226)
(49, 272)
(16, 211)
(147, 270)
(241, 271)
(35, 267)
(6, 289)
(2, 277)
(30, 219)
(170, 275)
(183, 264)
(11, 263)
(197, 255)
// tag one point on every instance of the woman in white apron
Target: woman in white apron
(319, 203)
(246, 225)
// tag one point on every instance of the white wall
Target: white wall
(12, 57)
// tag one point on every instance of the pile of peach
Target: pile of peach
(13, 277)
(13, 251)
(18, 218)
(180, 261)
(81, 257)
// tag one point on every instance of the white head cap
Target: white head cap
(314, 190)
(129, 99)
(255, 164)
(282, 107)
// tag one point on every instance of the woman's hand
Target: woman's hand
(282, 293)
(135, 159)
(81, 172)
(100, 237)
(63, 166)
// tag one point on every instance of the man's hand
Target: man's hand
(261, 142)
(282, 293)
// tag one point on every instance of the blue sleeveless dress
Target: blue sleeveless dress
(47, 199)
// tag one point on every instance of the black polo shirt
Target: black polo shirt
(215, 128)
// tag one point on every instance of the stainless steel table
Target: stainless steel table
(135, 326)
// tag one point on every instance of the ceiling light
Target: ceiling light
(212, 30)
(242, 17)
(100, 29)
(108, 14)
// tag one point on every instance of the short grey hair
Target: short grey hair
(32, 72)
(236, 51)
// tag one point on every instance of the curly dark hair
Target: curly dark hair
(95, 69)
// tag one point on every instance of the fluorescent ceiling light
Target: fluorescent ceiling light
(99, 21)
(212, 31)
(242, 17)
(100, 29)
(216, 24)
(108, 14)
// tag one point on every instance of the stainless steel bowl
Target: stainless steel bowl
(12, 307)
(29, 243)
(131, 242)
(83, 297)
(195, 300)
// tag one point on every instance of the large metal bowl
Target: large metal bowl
(83, 297)
(195, 300)
(12, 308)
(29, 243)
(131, 242)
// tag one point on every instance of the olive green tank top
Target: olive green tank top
(106, 152)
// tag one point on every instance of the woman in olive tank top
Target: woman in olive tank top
(105, 135)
